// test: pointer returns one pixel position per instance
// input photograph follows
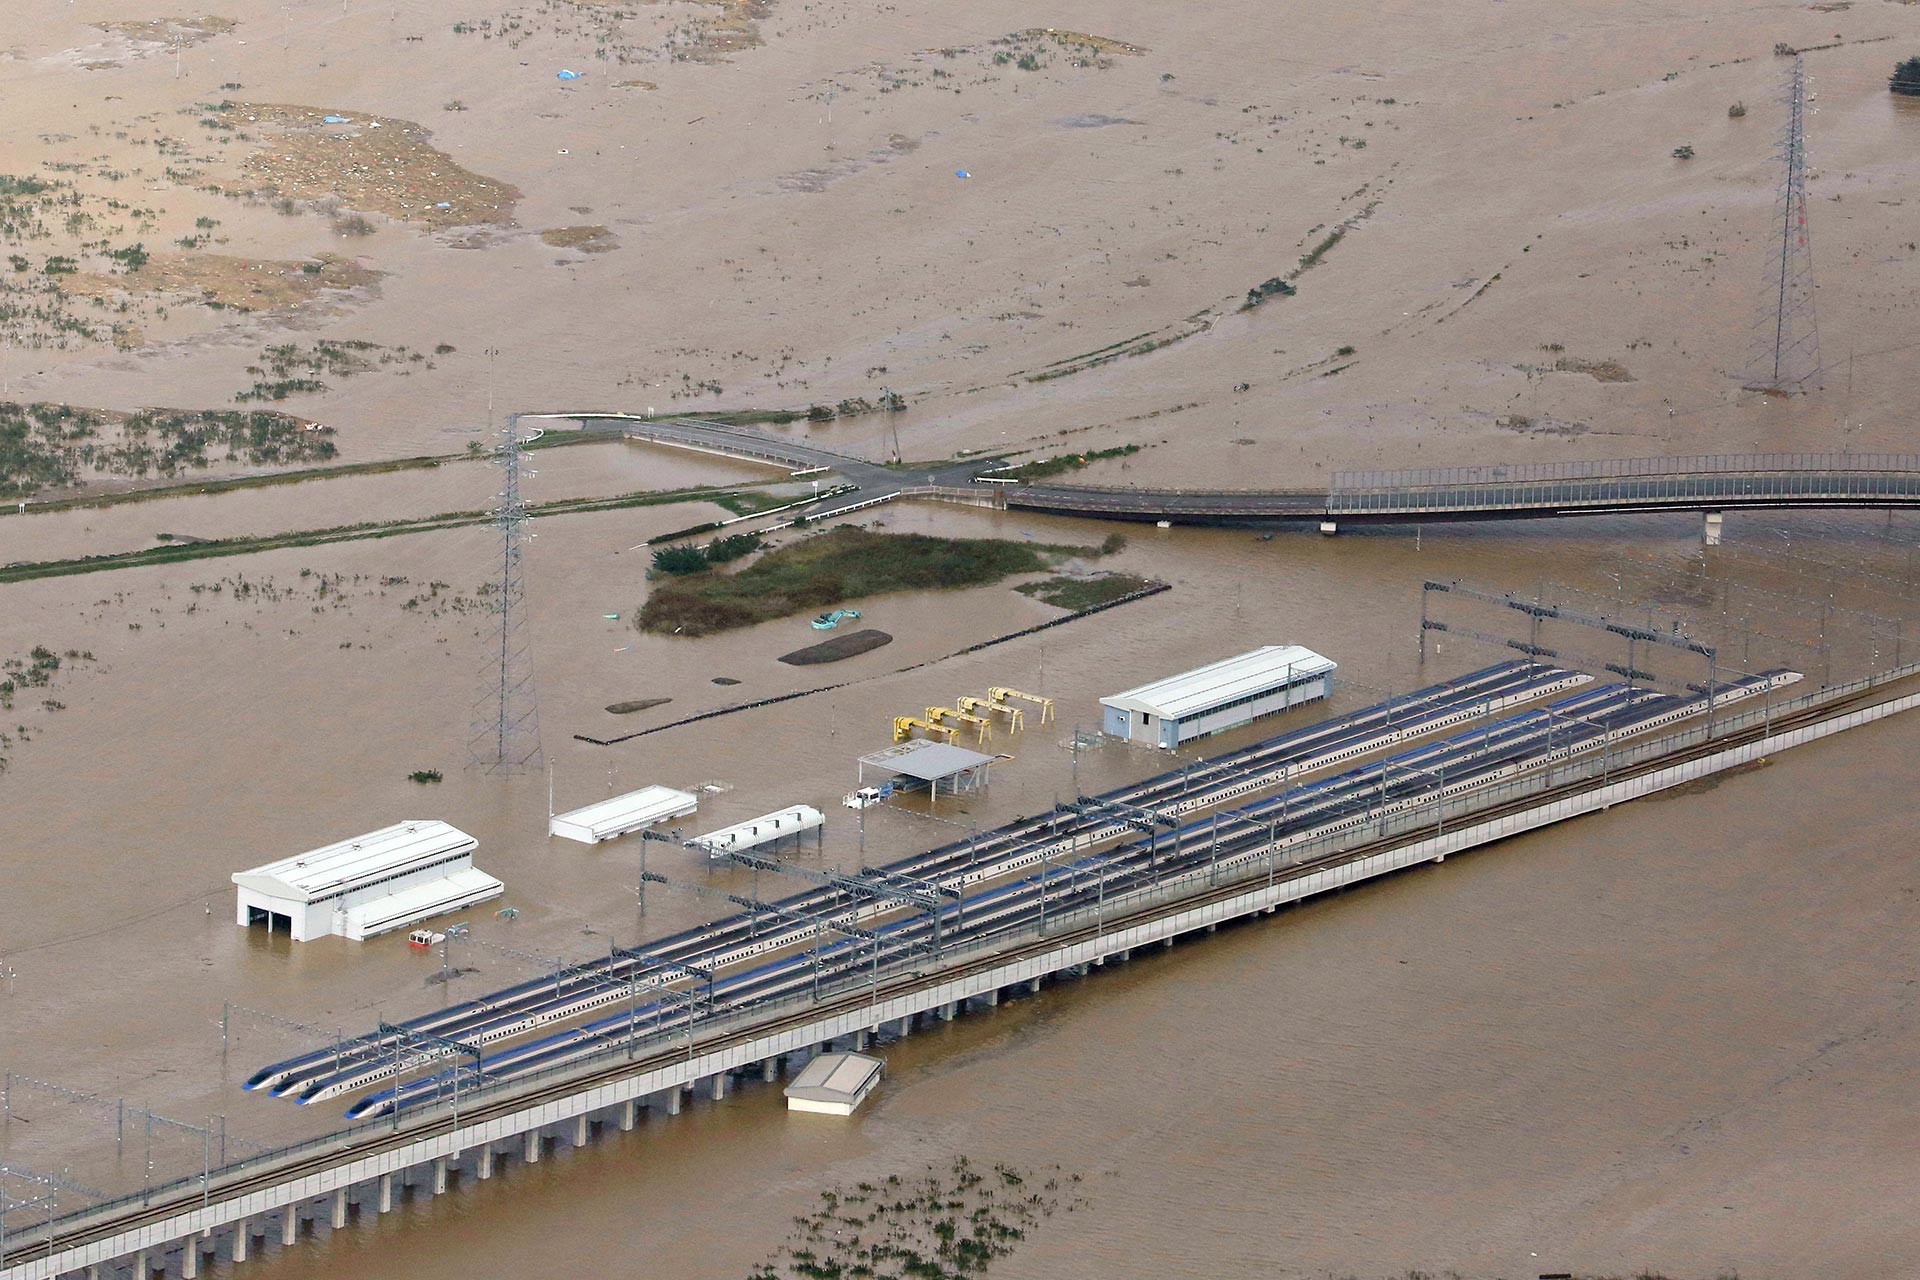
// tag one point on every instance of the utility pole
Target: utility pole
(1786, 346)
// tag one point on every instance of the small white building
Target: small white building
(622, 814)
(367, 885)
(834, 1084)
(767, 829)
(1221, 695)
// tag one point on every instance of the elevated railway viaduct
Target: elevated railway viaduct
(176, 1228)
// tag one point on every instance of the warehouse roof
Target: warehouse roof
(834, 1077)
(340, 868)
(926, 760)
(451, 892)
(1222, 682)
(621, 814)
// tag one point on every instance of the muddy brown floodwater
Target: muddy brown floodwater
(1677, 1035)
(1673, 1034)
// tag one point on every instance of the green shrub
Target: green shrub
(1906, 78)
(679, 560)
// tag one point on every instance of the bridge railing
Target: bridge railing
(1441, 814)
(1734, 489)
(1623, 469)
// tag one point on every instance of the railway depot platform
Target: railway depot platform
(315, 1186)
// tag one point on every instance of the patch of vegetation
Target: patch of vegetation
(1736, 111)
(35, 671)
(1065, 463)
(842, 564)
(1311, 257)
(424, 776)
(948, 1224)
(54, 445)
(291, 369)
(1906, 78)
(1683, 153)
(679, 561)
(1076, 594)
(210, 548)
(1267, 289)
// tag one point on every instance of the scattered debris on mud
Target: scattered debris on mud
(375, 164)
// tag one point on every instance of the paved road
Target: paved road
(872, 478)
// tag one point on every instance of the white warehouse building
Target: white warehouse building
(368, 885)
(1222, 695)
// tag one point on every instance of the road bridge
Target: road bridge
(1711, 484)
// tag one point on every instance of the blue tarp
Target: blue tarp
(569, 75)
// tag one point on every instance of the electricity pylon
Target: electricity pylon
(1786, 341)
(506, 719)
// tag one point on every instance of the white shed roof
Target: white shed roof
(1223, 681)
(451, 892)
(834, 1077)
(762, 830)
(621, 814)
(336, 869)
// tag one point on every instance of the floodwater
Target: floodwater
(1653, 1036)
(1678, 1035)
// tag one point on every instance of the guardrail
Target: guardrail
(1623, 468)
(1731, 490)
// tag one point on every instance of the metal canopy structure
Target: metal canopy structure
(934, 763)
(770, 828)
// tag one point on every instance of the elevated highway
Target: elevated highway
(1710, 483)
(1729, 482)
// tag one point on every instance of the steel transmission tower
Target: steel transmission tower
(1786, 346)
(506, 718)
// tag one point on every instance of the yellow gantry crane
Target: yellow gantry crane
(1045, 704)
(973, 706)
(983, 728)
(903, 727)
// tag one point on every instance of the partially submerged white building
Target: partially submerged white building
(767, 829)
(368, 885)
(834, 1084)
(620, 815)
(1221, 695)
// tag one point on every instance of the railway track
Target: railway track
(181, 1198)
